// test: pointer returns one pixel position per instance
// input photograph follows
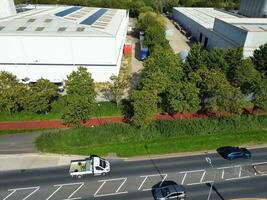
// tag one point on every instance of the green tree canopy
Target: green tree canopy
(40, 96)
(12, 92)
(80, 97)
(259, 59)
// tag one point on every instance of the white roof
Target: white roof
(207, 16)
(64, 20)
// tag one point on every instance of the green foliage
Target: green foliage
(150, 19)
(161, 137)
(260, 94)
(80, 98)
(245, 76)
(145, 107)
(216, 93)
(155, 35)
(181, 97)
(12, 92)
(214, 59)
(195, 59)
(40, 96)
(259, 59)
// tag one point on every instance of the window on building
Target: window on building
(200, 37)
(206, 42)
(22, 28)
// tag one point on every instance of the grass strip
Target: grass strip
(166, 136)
(169, 145)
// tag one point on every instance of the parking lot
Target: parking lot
(110, 187)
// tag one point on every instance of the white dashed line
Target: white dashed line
(203, 175)
(153, 175)
(67, 184)
(114, 193)
(199, 183)
(183, 178)
(17, 189)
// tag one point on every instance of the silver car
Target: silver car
(169, 190)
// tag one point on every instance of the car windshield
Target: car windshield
(102, 163)
(165, 191)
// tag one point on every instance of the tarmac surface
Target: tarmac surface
(135, 179)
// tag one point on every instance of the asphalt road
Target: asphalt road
(134, 179)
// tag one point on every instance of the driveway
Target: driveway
(176, 39)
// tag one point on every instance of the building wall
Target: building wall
(7, 8)
(253, 41)
(55, 57)
(253, 8)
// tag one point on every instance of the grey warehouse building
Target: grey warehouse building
(253, 8)
(216, 28)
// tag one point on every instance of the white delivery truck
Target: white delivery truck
(92, 165)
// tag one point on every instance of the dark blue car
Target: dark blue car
(232, 153)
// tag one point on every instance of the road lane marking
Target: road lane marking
(236, 178)
(222, 174)
(17, 189)
(163, 176)
(199, 170)
(183, 178)
(259, 163)
(203, 175)
(70, 197)
(200, 183)
(240, 171)
(113, 193)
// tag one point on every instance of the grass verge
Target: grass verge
(160, 137)
(103, 110)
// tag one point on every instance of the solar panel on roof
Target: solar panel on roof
(90, 20)
(68, 11)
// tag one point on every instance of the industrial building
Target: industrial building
(253, 8)
(52, 41)
(217, 28)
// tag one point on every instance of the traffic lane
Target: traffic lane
(123, 169)
(242, 188)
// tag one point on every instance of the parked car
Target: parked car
(169, 190)
(231, 153)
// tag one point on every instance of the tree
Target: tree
(181, 97)
(117, 87)
(214, 59)
(234, 59)
(148, 19)
(80, 97)
(195, 59)
(259, 59)
(216, 93)
(145, 106)
(244, 76)
(40, 96)
(11, 92)
(260, 95)
(155, 35)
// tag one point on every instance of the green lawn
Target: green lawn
(160, 137)
(105, 109)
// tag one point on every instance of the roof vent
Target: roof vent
(31, 20)
(80, 29)
(39, 29)
(48, 20)
(61, 29)
(22, 28)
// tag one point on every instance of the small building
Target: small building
(216, 28)
(52, 41)
(253, 8)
